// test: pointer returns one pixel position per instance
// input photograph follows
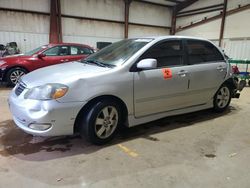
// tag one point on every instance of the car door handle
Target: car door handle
(182, 73)
(220, 68)
(63, 60)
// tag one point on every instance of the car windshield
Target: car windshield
(35, 50)
(117, 53)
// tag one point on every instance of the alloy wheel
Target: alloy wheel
(223, 97)
(15, 75)
(106, 122)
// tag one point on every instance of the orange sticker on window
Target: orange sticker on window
(167, 73)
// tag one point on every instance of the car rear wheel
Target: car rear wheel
(101, 122)
(14, 74)
(222, 98)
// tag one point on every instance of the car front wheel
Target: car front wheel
(222, 98)
(101, 122)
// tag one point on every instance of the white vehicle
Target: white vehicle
(127, 83)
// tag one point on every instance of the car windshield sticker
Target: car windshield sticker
(167, 73)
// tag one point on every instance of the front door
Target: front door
(56, 55)
(164, 88)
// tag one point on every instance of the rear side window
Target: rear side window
(168, 53)
(202, 52)
(79, 50)
(74, 50)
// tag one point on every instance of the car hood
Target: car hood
(62, 73)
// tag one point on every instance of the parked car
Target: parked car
(127, 83)
(13, 67)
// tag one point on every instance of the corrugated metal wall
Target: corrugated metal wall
(148, 14)
(25, 41)
(28, 30)
(32, 30)
(237, 48)
(35, 5)
(236, 33)
(90, 32)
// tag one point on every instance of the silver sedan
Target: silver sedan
(130, 82)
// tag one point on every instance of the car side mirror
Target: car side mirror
(40, 56)
(147, 64)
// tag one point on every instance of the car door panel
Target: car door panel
(154, 94)
(205, 79)
(56, 55)
(164, 88)
(207, 71)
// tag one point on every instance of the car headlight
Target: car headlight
(46, 92)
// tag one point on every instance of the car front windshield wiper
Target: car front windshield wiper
(98, 63)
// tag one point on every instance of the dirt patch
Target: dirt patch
(15, 141)
(210, 155)
(151, 138)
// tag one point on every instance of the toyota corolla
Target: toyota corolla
(130, 82)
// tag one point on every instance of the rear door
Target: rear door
(164, 88)
(207, 69)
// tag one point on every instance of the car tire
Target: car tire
(222, 98)
(101, 122)
(14, 74)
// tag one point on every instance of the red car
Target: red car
(13, 67)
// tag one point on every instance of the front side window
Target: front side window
(57, 51)
(202, 52)
(168, 53)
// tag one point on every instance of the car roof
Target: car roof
(172, 37)
(71, 44)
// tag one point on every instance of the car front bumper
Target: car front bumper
(57, 118)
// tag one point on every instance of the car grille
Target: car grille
(19, 88)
